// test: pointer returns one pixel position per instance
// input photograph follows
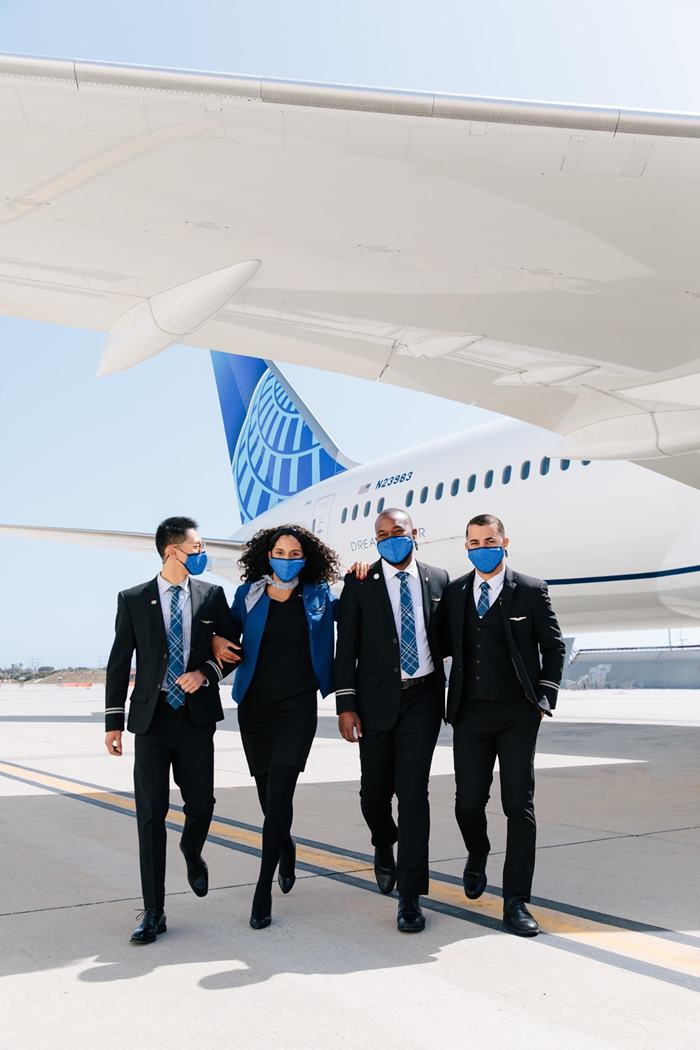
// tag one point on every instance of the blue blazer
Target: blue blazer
(320, 608)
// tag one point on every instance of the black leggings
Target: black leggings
(276, 794)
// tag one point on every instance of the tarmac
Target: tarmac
(617, 963)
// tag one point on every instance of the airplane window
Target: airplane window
(544, 466)
(507, 471)
(454, 487)
(585, 462)
(471, 484)
(368, 507)
(565, 464)
(439, 490)
(380, 505)
(354, 512)
(488, 479)
(525, 470)
(424, 494)
(344, 515)
(409, 497)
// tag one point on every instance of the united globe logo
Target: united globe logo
(277, 454)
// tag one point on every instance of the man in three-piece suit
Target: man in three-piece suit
(390, 686)
(173, 708)
(507, 661)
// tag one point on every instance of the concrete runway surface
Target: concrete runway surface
(617, 963)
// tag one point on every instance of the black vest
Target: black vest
(488, 669)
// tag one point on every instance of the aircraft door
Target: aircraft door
(321, 517)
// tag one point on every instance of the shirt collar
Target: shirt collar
(164, 585)
(390, 571)
(495, 581)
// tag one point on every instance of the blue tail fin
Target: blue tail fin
(276, 448)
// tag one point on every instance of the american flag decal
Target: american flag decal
(364, 488)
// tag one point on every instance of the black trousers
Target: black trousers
(507, 730)
(173, 740)
(397, 761)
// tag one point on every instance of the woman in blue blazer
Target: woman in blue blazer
(283, 615)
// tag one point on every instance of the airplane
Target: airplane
(525, 257)
(615, 542)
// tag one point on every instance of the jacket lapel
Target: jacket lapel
(509, 585)
(152, 595)
(507, 593)
(425, 586)
(464, 594)
(197, 593)
(376, 576)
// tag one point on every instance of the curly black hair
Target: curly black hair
(322, 564)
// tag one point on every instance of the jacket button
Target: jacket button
(395, 641)
(396, 670)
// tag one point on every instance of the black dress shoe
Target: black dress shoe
(286, 875)
(385, 868)
(517, 919)
(197, 874)
(474, 876)
(410, 918)
(152, 923)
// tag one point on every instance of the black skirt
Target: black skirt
(280, 733)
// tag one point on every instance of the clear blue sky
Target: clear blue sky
(80, 453)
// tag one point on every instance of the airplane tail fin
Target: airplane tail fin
(276, 445)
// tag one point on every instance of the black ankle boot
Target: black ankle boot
(261, 914)
(286, 875)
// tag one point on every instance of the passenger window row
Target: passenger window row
(470, 486)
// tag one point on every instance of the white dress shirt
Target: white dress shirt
(186, 608)
(495, 585)
(393, 586)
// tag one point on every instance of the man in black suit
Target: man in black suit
(390, 688)
(173, 708)
(507, 661)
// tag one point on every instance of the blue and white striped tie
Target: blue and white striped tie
(176, 651)
(484, 603)
(409, 645)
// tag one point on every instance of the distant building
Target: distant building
(652, 668)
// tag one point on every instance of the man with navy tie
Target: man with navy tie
(390, 688)
(507, 661)
(174, 707)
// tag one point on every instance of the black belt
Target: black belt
(408, 683)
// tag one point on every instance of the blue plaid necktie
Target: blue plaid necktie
(176, 651)
(483, 604)
(409, 645)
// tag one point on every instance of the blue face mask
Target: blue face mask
(287, 569)
(486, 559)
(395, 549)
(196, 563)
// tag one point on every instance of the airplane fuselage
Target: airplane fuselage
(616, 542)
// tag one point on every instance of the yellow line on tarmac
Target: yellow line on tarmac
(643, 947)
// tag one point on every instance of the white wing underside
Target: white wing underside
(539, 260)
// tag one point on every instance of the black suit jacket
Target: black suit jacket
(367, 657)
(532, 630)
(140, 627)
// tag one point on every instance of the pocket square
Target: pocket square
(207, 621)
(517, 619)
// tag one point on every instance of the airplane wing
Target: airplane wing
(223, 554)
(539, 260)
